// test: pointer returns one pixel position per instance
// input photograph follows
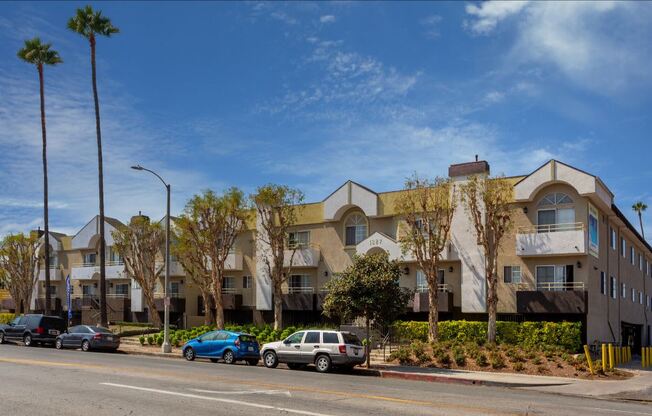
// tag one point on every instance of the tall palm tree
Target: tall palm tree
(40, 54)
(90, 23)
(639, 207)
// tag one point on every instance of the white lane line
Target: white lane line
(215, 399)
(270, 392)
(629, 412)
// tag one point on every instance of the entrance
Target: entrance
(631, 335)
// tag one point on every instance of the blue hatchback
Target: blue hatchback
(226, 345)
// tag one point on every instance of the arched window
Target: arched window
(355, 229)
(556, 213)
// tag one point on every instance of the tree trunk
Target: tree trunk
(46, 224)
(209, 319)
(219, 308)
(278, 307)
(640, 221)
(492, 300)
(100, 171)
(151, 307)
(433, 312)
(368, 343)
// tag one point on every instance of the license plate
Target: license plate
(355, 352)
(250, 348)
(53, 332)
(109, 338)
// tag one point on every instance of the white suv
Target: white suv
(324, 348)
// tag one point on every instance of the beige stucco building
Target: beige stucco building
(572, 255)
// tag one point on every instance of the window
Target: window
(512, 274)
(633, 295)
(299, 281)
(612, 238)
(623, 247)
(613, 287)
(175, 288)
(88, 290)
(355, 229)
(122, 289)
(247, 282)
(640, 298)
(623, 291)
(555, 217)
(603, 283)
(554, 277)
(557, 198)
(330, 338)
(298, 239)
(294, 338)
(53, 259)
(210, 336)
(113, 256)
(640, 262)
(89, 258)
(647, 301)
(229, 283)
(422, 282)
(594, 236)
(631, 255)
(311, 338)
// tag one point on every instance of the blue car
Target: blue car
(226, 345)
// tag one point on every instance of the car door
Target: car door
(203, 345)
(215, 346)
(73, 338)
(17, 328)
(310, 345)
(290, 349)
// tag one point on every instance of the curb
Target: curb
(172, 355)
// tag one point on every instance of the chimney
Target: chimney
(462, 170)
(139, 216)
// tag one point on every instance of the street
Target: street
(45, 381)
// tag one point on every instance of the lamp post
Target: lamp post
(166, 348)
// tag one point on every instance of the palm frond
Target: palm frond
(87, 22)
(38, 53)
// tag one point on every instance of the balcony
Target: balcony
(552, 298)
(304, 256)
(89, 271)
(55, 274)
(177, 302)
(176, 269)
(421, 303)
(298, 298)
(231, 298)
(553, 239)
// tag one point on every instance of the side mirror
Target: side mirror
(286, 342)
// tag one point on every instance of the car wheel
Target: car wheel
(323, 363)
(86, 346)
(2, 337)
(58, 344)
(214, 360)
(252, 361)
(27, 340)
(189, 353)
(270, 359)
(229, 357)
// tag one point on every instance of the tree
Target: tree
(138, 244)
(488, 203)
(277, 207)
(639, 208)
(19, 267)
(90, 23)
(40, 54)
(368, 289)
(211, 223)
(427, 208)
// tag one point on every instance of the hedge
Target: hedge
(5, 318)
(566, 335)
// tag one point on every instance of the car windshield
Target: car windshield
(247, 338)
(100, 330)
(52, 322)
(351, 339)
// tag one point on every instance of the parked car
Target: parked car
(324, 348)
(33, 329)
(226, 345)
(88, 338)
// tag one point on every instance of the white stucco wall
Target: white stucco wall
(263, 280)
(558, 243)
(85, 235)
(348, 195)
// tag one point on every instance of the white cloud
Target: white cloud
(327, 18)
(600, 46)
(431, 26)
(494, 97)
(283, 17)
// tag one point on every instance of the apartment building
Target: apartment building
(572, 255)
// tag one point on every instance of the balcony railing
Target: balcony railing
(229, 291)
(559, 286)
(173, 295)
(298, 289)
(551, 228)
(442, 287)
(305, 255)
(86, 271)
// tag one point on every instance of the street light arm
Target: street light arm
(153, 173)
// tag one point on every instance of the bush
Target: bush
(403, 355)
(518, 366)
(159, 341)
(5, 318)
(141, 339)
(150, 340)
(481, 360)
(459, 356)
(496, 360)
(419, 350)
(536, 360)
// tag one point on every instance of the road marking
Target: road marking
(216, 399)
(270, 392)
(629, 412)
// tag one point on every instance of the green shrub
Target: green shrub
(496, 360)
(150, 340)
(536, 360)
(5, 318)
(519, 366)
(459, 356)
(403, 355)
(141, 339)
(159, 341)
(481, 360)
(419, 350)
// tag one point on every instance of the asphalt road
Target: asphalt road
(43, 381)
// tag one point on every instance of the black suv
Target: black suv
(33, 329)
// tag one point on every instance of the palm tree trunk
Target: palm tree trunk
(46, 225)
(103, 314)
(640, 221)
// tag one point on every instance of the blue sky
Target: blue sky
(312, 94)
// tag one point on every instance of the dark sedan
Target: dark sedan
(88, 338)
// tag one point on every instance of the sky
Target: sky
(213, 95)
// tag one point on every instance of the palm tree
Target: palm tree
(40, 54)
(639, 207)
(90, 23)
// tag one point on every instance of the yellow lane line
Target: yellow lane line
(149, 373)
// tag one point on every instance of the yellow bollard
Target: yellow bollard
(604, 358)
(629, 354)
(617, 355)
(643, 358)
(611, 357)
(647, 356)
(588, 358)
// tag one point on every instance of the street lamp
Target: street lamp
(166, 348)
